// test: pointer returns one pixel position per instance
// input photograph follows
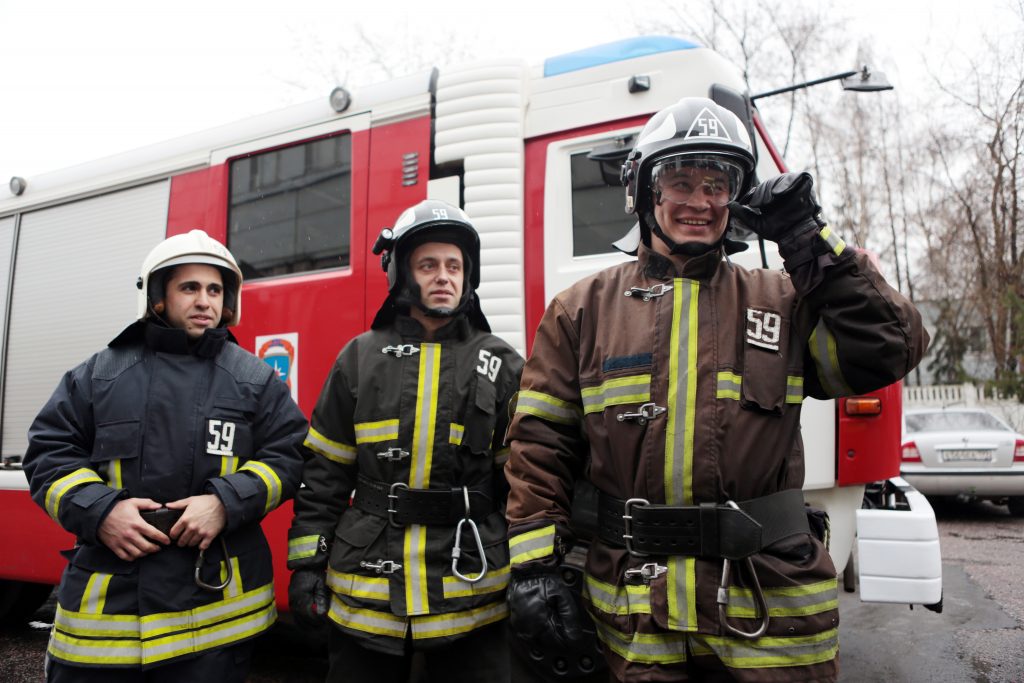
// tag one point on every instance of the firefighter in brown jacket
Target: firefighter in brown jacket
(673, 384)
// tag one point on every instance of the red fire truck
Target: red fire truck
(298, 195)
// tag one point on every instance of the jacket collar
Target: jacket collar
(411, 330)
(173, 340)
(659, 267)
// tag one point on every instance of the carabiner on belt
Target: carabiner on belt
(199, 568)
(457, 548)
(723, 596)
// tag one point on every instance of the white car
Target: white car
(963, 452)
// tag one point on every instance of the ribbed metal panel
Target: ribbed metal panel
(480, 123)
(74, 290)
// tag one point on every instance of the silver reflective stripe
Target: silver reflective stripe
(159, 624)
(335, 451)
(417, 600)
(366, 620)
(269, 478)
(60, 487)
(456, 623)
(167, 647)
(96, 625)
(617, 391)
(358, 586)
(532, 545)
(826, 359)
(302, 547)
(786, 602)
(729, 385)
(94, 651)
(501, 457)
(493, 581)
(794, 389)
(455, 433)
(835, 244)
(644, 648)
(774, 651)
(547, 407)
(372, 432)
(95, 593)
(619, 600)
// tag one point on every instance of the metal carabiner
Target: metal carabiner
(199, 566)
(723, 596)
(457, 548)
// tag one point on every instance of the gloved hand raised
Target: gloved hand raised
(780, 208)
(543, 609)
(308, 598)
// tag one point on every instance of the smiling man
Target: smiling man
(161, 454)
(673, 385)
(412, 417)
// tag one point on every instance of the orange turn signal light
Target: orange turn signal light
(864, 405)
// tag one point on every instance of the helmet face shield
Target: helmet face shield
(696, 178)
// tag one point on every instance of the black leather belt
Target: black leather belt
(710, 530)
(404, 506)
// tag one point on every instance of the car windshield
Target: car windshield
(947, 421)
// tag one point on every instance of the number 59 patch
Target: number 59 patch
(220, 437)
(764, 328)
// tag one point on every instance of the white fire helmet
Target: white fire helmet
(194, 246)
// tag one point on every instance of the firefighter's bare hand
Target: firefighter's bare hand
(127, 534)
(203, 520)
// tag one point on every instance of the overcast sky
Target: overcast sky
(82, 80)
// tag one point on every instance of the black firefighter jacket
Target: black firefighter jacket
(150, 417)
(396, 412)
(727, 355)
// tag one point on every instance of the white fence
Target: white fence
(966, 395)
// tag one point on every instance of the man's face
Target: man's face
(194, 298)
(692, 205)
(437, 269)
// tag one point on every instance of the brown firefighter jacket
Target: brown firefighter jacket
(730, 354)
(396, 410)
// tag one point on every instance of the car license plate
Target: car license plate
(966, 456)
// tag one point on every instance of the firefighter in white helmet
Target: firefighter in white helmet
(161, 453)
(673, 384)
(412, 417)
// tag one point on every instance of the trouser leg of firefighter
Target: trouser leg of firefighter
(350, 662)
(226, 665)
(482, 655)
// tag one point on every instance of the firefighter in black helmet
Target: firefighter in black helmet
(412, 417)
(673, 385)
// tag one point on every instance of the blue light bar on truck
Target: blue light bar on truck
(620, 50)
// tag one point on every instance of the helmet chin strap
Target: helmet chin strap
(686, 248)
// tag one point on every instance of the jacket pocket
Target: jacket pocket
(480, 418)
(227, 432)
(115, 444)
(354, 540)
(764, 364)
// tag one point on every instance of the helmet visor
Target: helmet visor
(707, 178)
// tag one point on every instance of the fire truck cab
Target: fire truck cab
(299, 195)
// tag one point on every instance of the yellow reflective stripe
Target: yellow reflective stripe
(501, 457)
(826, 359)
(358, 586)
(56, 492)
(228, 465)
(335, 451)
(68, 648)
(366, 620)
(422, 457)
(617, 391)
(679, 437)
(199, 640)
(114, 478)
(302, 547)
(729, 385)
(234, 587)
(373, 432)
(532, 545)
(834, 242)
(618, 600)
(96, 625)
(548, 407)
(774, 651)
(455, 433)
(94, 597)
(171, 622)
(789, 601)
(494, 580)
(455, 623)
(269, 478)
(794, 389)
(643, 648)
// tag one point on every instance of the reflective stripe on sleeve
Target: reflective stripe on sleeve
(269, 478)
(60, 487)
(335, 451)
(494, 580)
(774, 651)
(644, 648)
(358, 586)
(794, 389)
(532, 545)
(835, 244)
(455, 433)
(548, 407)
(617, 391)
(301, 547)
(826, 359)
(373, 432)
(501, 457)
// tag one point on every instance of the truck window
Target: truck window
(289, 209)
(598, 216)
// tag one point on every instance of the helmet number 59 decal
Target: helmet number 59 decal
(489, 365)
(763, 329)
(440, 214)
(222, 437)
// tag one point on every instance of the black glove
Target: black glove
(308, 598)
(780, 209)
(543, 609)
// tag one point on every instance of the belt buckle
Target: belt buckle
(393, 502)
(627, 524)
